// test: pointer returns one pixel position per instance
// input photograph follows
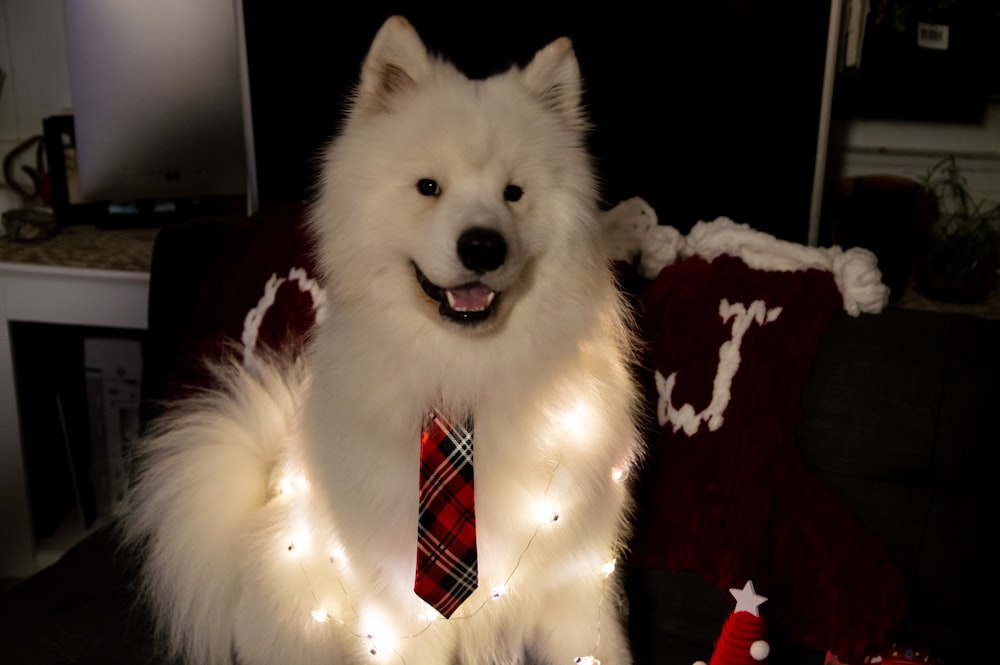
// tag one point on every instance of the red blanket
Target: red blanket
(725, 493)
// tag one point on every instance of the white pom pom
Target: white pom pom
(759, 650)
(661, 245)
(860, 281)
(625, 228)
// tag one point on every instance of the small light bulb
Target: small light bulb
(338, 554)
(546, 513)
(572, 420)
(376, 645)
(609, 567)
(578, 420)
(377, 631)
(498, 591)
(299, 543)
(302, 483)
(587, 660)
(619, 473)
(285, 486)
(320, 616)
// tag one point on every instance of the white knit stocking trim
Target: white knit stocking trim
(254, 318)
(855, 271)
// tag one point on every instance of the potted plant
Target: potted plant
(961, 248)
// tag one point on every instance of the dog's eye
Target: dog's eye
(428, 187)
(512, 193)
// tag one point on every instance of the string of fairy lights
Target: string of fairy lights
(294, 485)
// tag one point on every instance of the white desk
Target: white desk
(81, 293)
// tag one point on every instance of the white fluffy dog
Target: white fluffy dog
(465, 270)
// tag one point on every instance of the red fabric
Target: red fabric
(447, 565)
(268, 244)
(737, 503)
(739, 632)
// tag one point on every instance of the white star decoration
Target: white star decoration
(747, 599)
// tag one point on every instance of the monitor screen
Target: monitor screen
(156, 99)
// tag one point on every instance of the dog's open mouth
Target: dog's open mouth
(468, 303)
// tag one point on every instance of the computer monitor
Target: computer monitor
(156, 100)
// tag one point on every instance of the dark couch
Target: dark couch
(901, 411)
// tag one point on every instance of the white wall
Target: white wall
(33, 56)
(869, 147)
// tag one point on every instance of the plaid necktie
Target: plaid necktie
(447, 570)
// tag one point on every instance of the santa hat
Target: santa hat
(742, 640)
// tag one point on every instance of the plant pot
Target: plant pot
(958, 264)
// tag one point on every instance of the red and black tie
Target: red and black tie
(447, 569)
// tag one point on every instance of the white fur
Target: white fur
(208, 510)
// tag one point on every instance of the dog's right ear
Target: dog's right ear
(396, 60)
(553, 76)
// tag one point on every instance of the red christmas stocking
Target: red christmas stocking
(726, 493)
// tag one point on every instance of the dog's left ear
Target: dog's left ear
(553, 76)
(396, 60)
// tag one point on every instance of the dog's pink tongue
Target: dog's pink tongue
(471, 298)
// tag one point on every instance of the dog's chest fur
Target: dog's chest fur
(550, 428)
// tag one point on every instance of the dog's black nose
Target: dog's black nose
(482, 249)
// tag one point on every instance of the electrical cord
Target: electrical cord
(36, 174)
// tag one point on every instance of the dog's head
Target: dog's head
(447, 194)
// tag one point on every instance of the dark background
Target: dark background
(900, 80)
(702, 109)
